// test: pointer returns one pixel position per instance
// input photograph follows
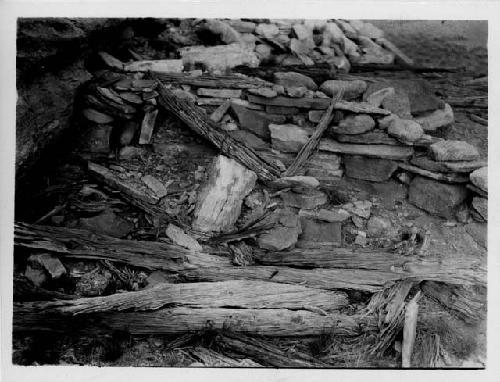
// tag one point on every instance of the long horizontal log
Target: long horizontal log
(212, 81)
(242, 294)
(267, 322)
(83, 244)
(201, 124)
(457, 270)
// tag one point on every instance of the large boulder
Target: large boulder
(435, 197)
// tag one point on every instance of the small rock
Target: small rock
(107, 223)
(385, 122)
(404, 177)
(376, 137)
(57, 219)
(264, 92)
(264, 52)
(358, 222)
(378, 97)
(481, 206)
(129, 152)
(267, 30)
(97, 116)
(366, 29)
(352, 89)
(284, 236)
(405, 130)
(225, 31)
(219, 93)
(179, 237)
(308, 201)
(355, 124)
(435, 197)
(49, 263)
(296, 181)
(255, 199)
(361, 208)
(36, 275)
(256, 122)
(302, 32)
(95, 283)
(453, 151)
(360, 239)
(250, 139)
(184, 95)
(292, 79)
(335, 215)
(436, 119)
(317, 234)
(296, 92)
(479, 178)
(372, 169)
(323, 165)
(155, 185)
(288, 137)
(315, 115)
(378, 226)
(158, 277)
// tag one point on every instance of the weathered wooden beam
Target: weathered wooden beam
(241, 294)
(200, 123)
(83, 244)
(28, 317)
(212, 81)
(313, 142)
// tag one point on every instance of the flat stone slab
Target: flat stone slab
(309, 201)
(453, 151)
(427, 163)
(256, 122)
(436, 119)
(372, 169)
(318, 104)
(435, 197)
(219, 93)
(374, 151)
(375, 137)
(448, 178)
(316, 234)
(292, 79)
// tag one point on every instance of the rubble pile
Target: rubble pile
(232, 221)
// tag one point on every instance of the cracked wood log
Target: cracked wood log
(240, 294)
(313, 142)
(212, 81)
(30, 317)
(344, 270)
(457, 270)
(265, 352)
(82, 244)
(200, 123)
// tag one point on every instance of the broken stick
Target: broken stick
(409, 330)
(313, 142)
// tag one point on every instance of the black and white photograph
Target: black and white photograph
(250, 193)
